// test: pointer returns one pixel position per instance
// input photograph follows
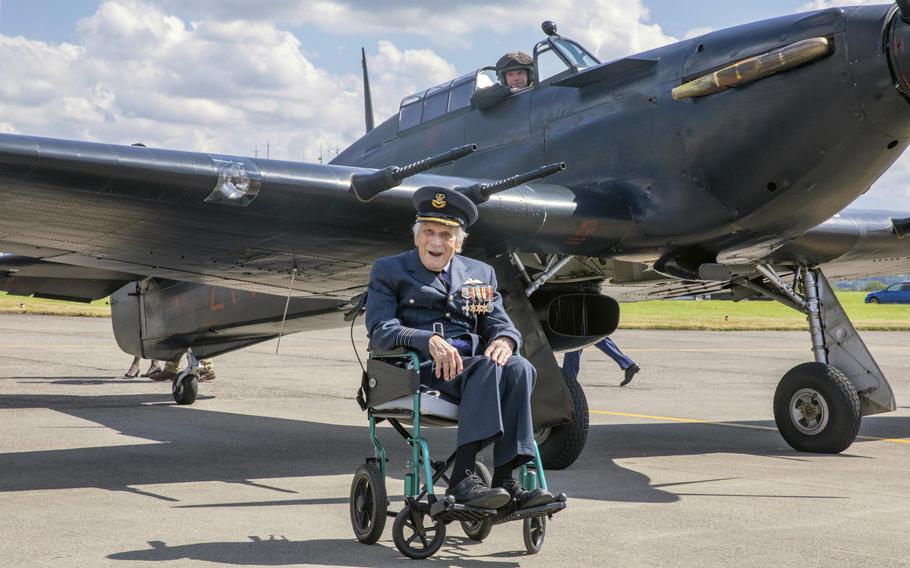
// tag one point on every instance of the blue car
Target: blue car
(894, 294)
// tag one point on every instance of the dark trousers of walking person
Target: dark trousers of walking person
(571, 362)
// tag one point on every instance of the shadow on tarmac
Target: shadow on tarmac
(278, 551)
(191, 444)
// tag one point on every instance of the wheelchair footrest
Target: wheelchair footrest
(448, 512)
(509, 515)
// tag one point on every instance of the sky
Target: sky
(249, 77)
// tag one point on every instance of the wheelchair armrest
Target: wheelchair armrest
(399, 353)
(385, 381)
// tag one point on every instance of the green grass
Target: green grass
(658, 314)
(23, 305)
(755, 315)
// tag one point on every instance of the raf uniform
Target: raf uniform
(405, 300)
(407, 304)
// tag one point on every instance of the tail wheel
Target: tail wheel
(561, 445)
(186, 391)
(369, 503)
(416, 535)
(817, 409)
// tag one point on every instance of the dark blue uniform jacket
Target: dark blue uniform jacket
(405, 299)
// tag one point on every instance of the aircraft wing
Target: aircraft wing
(43, 278)
(855, 243)
(256, 225)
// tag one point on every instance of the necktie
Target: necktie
(445, 278)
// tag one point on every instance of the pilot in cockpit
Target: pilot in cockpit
(515, 70)
(516, 73)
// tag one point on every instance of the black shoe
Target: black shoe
(525, 499)
(473, 492)
(630, 374)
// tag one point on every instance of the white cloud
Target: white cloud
(395, 73)
(696, 32)
(138, 74)
(822, 4)
(892, 190)
(612, 28)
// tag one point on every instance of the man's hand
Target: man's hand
(447, 359)
(500, 349)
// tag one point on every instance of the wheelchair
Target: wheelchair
(391, 391)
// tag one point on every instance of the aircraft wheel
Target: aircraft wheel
(817, 409)
(479, 530)
(561, 445)
(187, 391)
(535, 530)
(369, 503)
(413, 537)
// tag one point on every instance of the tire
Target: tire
(369, 503)
(534, 532)
(874, 300)
(413, 542)
(561, 445)
(817, 409)
(479, 530)
(186, 393)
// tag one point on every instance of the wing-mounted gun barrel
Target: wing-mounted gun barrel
(481, 192)
(368, 186)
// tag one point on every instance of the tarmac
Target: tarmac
(683, 467)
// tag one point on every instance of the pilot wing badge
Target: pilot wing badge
(478, 297)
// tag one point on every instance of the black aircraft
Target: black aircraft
(716, 163)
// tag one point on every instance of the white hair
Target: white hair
(459, 232)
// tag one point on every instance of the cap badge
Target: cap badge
(440, 201)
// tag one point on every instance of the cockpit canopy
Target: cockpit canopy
(554, 58)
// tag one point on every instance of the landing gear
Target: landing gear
(185, 386)
(818, 406)
(817, 409)
(561, 445)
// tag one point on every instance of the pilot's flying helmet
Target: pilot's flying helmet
(515, 60)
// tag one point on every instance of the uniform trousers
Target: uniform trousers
(494, 405)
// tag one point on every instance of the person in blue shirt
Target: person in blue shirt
(571, 361)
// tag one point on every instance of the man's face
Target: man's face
(436, 244)
(517, 78)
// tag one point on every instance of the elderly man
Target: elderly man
(447, 308)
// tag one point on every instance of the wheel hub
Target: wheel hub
(809, 411)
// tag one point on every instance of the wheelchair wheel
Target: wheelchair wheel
(413, 537)
(479, 530)
(369, 503)
(535, 529)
